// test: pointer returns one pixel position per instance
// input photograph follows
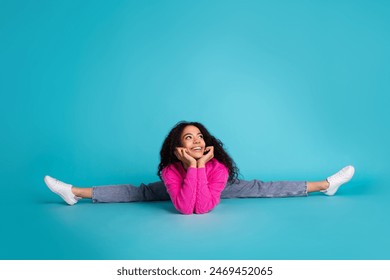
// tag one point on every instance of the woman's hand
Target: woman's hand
(185, 158)
(209, 154)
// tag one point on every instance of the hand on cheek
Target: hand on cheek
(185, 158)
(209, 154)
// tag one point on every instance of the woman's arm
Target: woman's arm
(210, 188)
(191, 189)
(210, 184)
(182, 190)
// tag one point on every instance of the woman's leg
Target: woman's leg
(82, 192)
(110, 193)
(317, 186)
(256, 188)
(128, 193)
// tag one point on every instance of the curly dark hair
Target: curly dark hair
(172, 141)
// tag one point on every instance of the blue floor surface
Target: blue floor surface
(353, 224)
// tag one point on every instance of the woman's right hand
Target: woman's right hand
(185, 158)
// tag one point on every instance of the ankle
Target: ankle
(317, 186)
(75, 191)
(324, 185)
(82, 192)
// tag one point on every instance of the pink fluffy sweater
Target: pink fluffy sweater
(195, 190)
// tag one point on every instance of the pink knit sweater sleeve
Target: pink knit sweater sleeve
(197, 190)
(210, 188)
(181, 187)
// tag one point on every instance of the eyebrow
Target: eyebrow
(191, 134)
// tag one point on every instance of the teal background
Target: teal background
(294, 89)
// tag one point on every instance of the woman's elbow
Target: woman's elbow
(204, 210)
(185, 212)
(196, 211)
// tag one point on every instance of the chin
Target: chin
(196, 157)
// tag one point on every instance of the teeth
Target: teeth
(197, 148)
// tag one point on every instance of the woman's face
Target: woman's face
(192, 139)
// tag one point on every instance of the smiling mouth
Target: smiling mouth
(197, 149)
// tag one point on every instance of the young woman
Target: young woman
(196, 173)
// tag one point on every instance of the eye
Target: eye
(188, 137)
(201, 136)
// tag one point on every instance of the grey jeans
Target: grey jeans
(238, 189)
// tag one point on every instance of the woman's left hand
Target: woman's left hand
(209, 154)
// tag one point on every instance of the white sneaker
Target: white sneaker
(62, 189)
(336, 180)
